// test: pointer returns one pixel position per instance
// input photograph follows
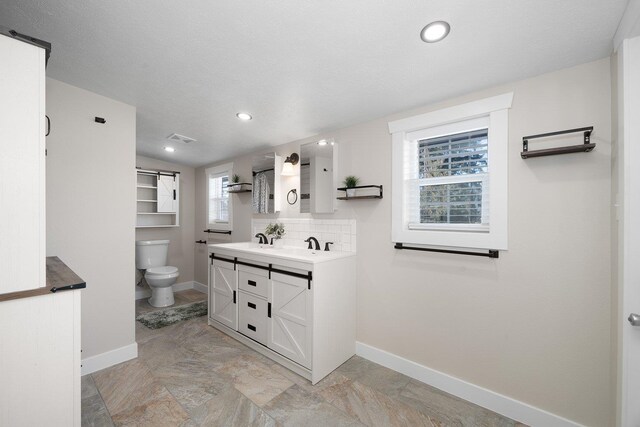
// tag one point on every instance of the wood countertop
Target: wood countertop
(59, 278)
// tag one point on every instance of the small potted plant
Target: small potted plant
(275, 231)
(350, 182)
(235, 185)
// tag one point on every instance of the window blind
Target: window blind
(447, 181)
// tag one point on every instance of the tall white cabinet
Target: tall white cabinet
(22, 165)
(39, 297)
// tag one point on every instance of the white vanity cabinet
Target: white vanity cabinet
(223, 289)
(295, 306)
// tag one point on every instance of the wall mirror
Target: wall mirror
(318, 168)
(266, 170)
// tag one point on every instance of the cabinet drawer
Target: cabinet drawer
(253, 280)
(252, 317)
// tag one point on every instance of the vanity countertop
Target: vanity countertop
(285, 253)
(59, 276)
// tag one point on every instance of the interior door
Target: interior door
(629, 231)
(167, 193)
(289, 331)
(223, 291)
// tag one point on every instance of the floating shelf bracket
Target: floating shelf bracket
(586, 147)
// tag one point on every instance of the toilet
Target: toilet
(151, 256)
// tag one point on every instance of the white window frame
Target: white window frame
(214, 172)
(494, 112)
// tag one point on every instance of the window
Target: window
(450, 176)
(219, 212)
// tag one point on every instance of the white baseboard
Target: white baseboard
(109, 358)
(183, 286)
(200, 287)
(493, 401)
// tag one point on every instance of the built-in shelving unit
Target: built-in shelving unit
(361, 192)
(157, 198)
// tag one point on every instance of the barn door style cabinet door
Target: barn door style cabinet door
(298, 310)
(22, 166)
(290, 324)
(223, 293)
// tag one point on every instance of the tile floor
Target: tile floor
(189, 374)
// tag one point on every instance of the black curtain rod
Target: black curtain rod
(254, 173)
(491, 254)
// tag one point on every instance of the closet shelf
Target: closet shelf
(361, 197)
(147, 186)
(586, 147)
(147, 201)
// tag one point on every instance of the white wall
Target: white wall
(534, 324)
(91, 208)
(182, 246)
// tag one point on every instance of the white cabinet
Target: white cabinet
(302, 314)
(158, 198)
(22, 166)
(291, 322)
(223, 290)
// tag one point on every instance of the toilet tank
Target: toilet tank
(151, 253)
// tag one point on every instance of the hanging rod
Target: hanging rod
(491, 254)
(254, 173)
(208, 230)
(585, 147)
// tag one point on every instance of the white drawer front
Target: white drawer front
(252, 317)
(254, 281)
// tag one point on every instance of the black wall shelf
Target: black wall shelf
(586, 147)
(369, 196)
(239, 187)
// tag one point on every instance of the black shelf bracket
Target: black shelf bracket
(492, 253)
(586, 147)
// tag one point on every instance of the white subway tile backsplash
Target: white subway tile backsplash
(342, 232)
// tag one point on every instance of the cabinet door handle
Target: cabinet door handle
(251, 305)
(269, 310)
(234, 297)
(251, 283)
(253, 328)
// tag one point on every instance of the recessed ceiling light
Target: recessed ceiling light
(322, 142)
(169, 149)
(435, 31)
(244, 116)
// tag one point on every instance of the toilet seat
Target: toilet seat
(161, 271)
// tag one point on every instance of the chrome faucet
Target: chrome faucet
(263, 239)
(314, 241)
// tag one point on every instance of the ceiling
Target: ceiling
(300, 67)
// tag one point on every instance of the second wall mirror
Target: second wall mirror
(266, 170)
(318, 166)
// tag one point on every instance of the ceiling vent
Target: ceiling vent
(180, 138)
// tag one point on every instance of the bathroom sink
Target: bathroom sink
(287, 252)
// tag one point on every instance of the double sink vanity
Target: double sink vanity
(295, 306)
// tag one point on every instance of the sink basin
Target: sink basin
(286, 252)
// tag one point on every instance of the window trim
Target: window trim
(497, 110)
(224, 169)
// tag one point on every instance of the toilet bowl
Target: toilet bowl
(160, 280)
(151, 256)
